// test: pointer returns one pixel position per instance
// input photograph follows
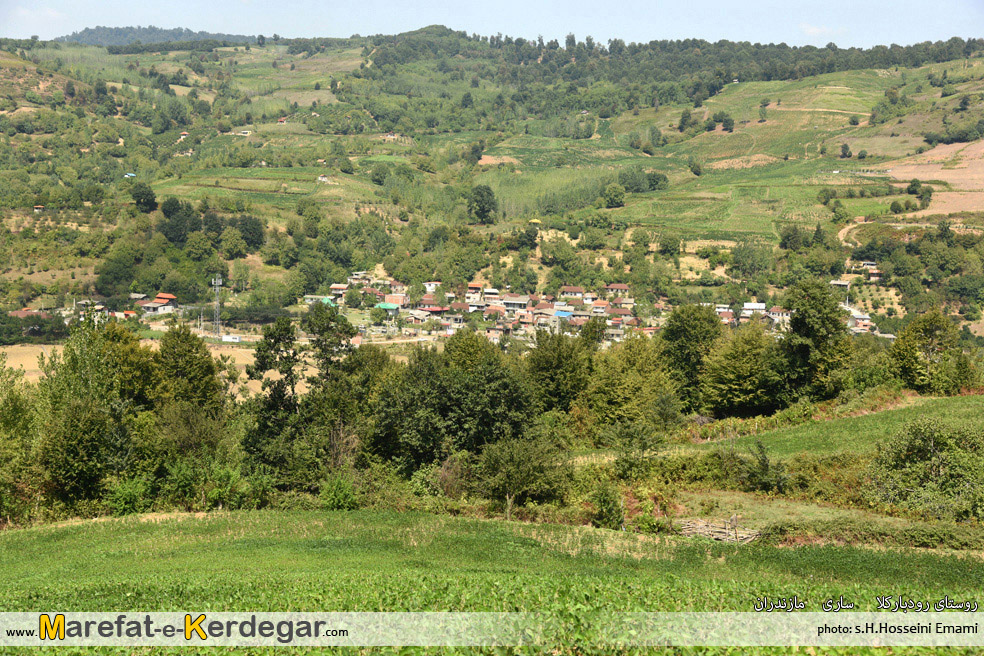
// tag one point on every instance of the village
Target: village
(395, 314)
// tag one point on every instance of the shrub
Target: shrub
(608, 509)
(759, 473)
(614, 195)
(637, 446)
(932, 469)
(129, 496)
(338, 493)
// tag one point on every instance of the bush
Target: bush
(931, 469)
(761, 474)
(614, 195)
(129, 496)
(637, 446)
(608, 509)
(338, 493)
(227, 489)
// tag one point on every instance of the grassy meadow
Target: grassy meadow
(382, 561)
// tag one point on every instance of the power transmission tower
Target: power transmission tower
(217, 323)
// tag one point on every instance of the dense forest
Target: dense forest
(122, 36)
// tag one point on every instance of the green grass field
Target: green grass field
(378, 561)
(861, 434)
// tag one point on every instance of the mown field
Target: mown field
(381, 561)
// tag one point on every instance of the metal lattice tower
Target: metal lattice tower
(217, 322)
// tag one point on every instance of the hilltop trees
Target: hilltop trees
(107, 408)
(516, 470)
(188, 371)
(442, 402)
(558, 369)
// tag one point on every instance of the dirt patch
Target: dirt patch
(697, 244)
(744, 162)
(494, 160)
(959, 165)
(25, 358)
(949, 202)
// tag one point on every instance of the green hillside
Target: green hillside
(404, 128)
(503, 325)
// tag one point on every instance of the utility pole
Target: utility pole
(217, 285)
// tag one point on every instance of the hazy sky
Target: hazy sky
(797, 22)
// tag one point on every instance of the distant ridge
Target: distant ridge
(122, 36)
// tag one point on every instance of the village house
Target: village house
(569, 291)
(494, 311)
(614, 334)
(748, 309)
(617, 288)
(857, 321)
(491, 295)
(473, 293)
(400, 300)
(431, 286)
(515, 302)
(338, 289)
(417, 317)
(161, 304)
(392, 309)
(779, 317)
(28, 312)
(622, 313)
(359, 278)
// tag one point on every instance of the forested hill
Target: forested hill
(701, 68)
(121, 36)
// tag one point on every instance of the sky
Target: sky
(796, 22)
